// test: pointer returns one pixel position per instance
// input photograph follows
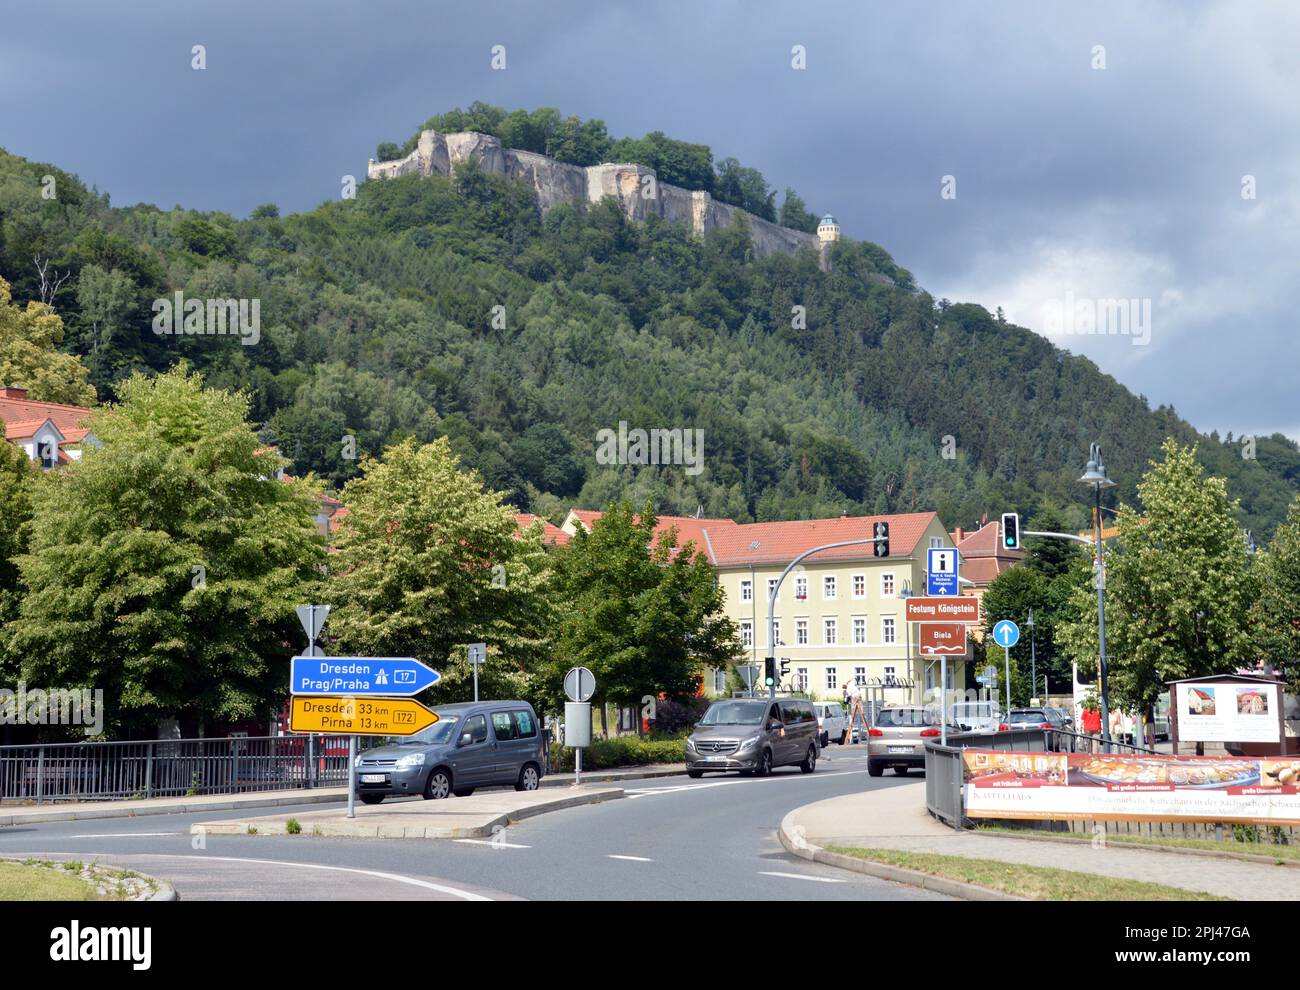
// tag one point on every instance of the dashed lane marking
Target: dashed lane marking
(799, 876)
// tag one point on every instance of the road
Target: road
(669, 839)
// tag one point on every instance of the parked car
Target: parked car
(1045, 717)
(897, 739)
(475, 744)
(753, 736)
(977, 716)
(833, 719)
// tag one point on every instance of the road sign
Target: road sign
(963, 609)
(1006, 634)
(359, 716)
(941, 574)
(579, 684)
(368, 676)
(476, 652)
(943, 639)
(747, 672)
(313, 619)
(988, 676)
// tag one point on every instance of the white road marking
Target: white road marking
(124, 835)
(497, 843)
(798, 876)
(464, 895)
(634, 859)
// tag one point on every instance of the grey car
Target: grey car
(475, 744)
(753, 736)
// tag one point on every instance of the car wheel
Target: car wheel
(764, 764)
(372, 798)
(695, 774)
(463, 791)
(809, 763)
(874, 769)
(528, 778)
(438, 786)
(901, 771)
(826, 740)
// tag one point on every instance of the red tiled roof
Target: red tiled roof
(66, 418)
(982, 570)
(23, 429)
(984, 542)
(781, 542)
(689, 528)
(551, 534)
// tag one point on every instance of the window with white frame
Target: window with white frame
(746, 590)
(830, 630)
(801, 588)
(832, 678)
(746, 633)
(801, 678)
(859, 586)
(887, 586)
(889, 672)
(801, 632)
(828, 587)
(860, 676)
(771, 587)
(860, 631)
(887, 629)
(936, 542)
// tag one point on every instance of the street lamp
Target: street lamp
(1095, 476)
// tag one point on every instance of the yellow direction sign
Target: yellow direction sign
(359, 716)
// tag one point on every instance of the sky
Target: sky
(1047, 158)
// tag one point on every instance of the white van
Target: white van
(832, 719)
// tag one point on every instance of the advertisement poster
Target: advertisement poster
(1227, 712)
(1138, 787)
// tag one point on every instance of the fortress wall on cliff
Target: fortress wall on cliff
(635, 188)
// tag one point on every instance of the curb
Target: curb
(1243, 857)
(166, 892)
(914, 878)
(485, 830)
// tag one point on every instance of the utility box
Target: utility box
(577, 723)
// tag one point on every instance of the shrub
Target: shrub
(676, 716)
(293, 826)
(620, 751)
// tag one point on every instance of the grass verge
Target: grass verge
(1040, 883)
(44, 882)
(1268, 850)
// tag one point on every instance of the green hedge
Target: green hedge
(620, 751)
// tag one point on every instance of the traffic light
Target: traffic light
(1010, 531)
(882, 537)
(769, 679)
(785, 667)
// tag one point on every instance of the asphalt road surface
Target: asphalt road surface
(669, 839)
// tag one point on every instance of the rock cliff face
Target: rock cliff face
(635, 188)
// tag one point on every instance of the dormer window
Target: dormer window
(47, 452)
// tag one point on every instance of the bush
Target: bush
(620, 751)
(675, 716)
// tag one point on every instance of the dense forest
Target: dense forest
(451, 307)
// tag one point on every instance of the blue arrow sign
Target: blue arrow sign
(941, 574)
(370, 676)
(1006, 634)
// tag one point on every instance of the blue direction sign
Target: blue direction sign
(365, 676)
(941, 574)
(1006, 634)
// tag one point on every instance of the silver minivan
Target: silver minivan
(474, 744)
(754, 735)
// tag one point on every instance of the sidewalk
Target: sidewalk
(17, 814)
(481, 815)
(895, 818)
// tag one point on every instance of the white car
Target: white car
(832, 719)
(977, 716)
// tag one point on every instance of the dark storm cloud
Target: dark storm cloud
(1122, 182)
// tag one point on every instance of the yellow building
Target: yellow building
(839, 614)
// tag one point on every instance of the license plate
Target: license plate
(372, 778)
(900, 749)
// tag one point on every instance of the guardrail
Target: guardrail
(105, 771)
(945, 771)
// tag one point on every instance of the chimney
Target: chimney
(13, 392)
(958, 535)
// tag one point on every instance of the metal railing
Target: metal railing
(104, 771)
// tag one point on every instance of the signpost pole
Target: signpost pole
(1007, 654)
(943, 700)
(352, 776)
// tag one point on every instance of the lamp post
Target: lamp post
(1095, 476)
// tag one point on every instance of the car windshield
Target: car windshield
(442, 731)
(1029, 716)
(895, 717)
(735, 713)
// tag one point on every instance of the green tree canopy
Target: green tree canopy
(164, 566)
(29, 339)
(1275, 614)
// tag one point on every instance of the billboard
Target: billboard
(1228, 711)
(1140, 787)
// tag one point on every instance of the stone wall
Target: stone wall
(635, 188)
